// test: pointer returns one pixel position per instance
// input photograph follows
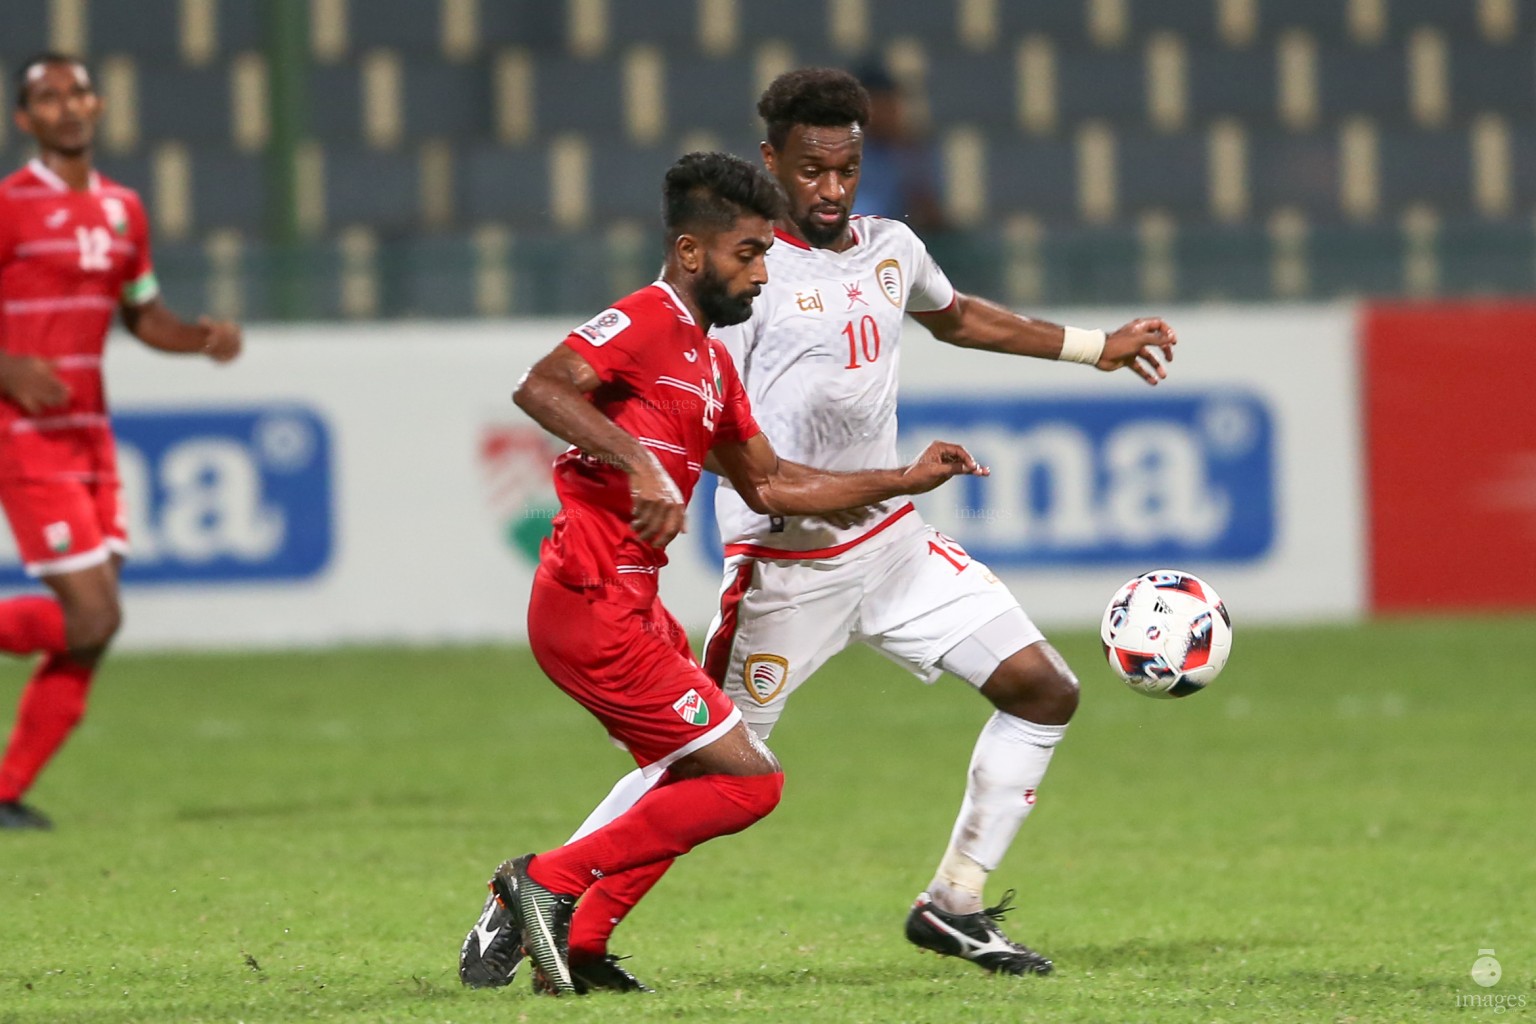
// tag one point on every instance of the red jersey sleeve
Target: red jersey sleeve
(608, 342)
(736, 421)
(139, 285)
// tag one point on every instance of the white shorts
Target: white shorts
(914, 599)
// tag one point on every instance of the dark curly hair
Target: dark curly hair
(709, 191)
(823, 97)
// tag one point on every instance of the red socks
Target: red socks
(31, 624)
(606, 904)
(52, 703)
(668, 821)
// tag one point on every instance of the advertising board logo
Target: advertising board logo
(221, 495)
(515, 468)
(1082, 481)
(1092, 481)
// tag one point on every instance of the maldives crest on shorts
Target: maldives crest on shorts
(690, 707)
(764, 676)
(58, 537)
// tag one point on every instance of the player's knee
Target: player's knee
(90, 628)
(760, 794)
(1062, 692)
(754, 796)
(773, 791)
(1035, 684)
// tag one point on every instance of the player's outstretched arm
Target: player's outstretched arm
(777, 487)
(972, 322)
(157, 326)
(554, 393)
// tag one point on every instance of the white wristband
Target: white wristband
(1081, 346)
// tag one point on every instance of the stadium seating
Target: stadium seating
(713, 94)
(447, 99)
(414, 29)
(377, 189)
(227, 191)
(979, 89)
(190, 105)
(501, 184)
(472, 156)
(1234, 83)
(24, 27)
(1486, 77)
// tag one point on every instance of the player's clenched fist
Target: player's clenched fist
(658, 510)
(222, 339)
(940, 461)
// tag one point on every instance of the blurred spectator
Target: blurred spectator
(900, 178)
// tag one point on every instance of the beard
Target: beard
(719, 306)
(819, 234)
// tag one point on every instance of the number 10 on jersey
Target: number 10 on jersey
(864, 341)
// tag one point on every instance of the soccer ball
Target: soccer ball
(1166, 633)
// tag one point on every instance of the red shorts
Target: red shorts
(64, 525)
(632, 668)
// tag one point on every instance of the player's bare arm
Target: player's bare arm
(554, 393)
(777, 487)
(157, 326)
(31, 383)
(974, 322)
(842, 519)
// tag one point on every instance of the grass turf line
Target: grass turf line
(1331, 832)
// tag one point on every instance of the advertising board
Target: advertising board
(1452, 435)
(374, 483)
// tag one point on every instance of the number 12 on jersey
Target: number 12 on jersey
(866, 342)
(95, 248)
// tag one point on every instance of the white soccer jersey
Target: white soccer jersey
(820, 360)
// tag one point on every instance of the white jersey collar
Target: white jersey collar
(53, 181)
(682, 307)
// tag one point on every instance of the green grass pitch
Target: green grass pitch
(1331, 833)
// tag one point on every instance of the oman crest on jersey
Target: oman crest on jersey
(515, 467)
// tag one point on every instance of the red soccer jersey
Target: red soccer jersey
(67, 260)
(674, 389)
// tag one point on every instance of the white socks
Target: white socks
(1009, 761)
(624, 795)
